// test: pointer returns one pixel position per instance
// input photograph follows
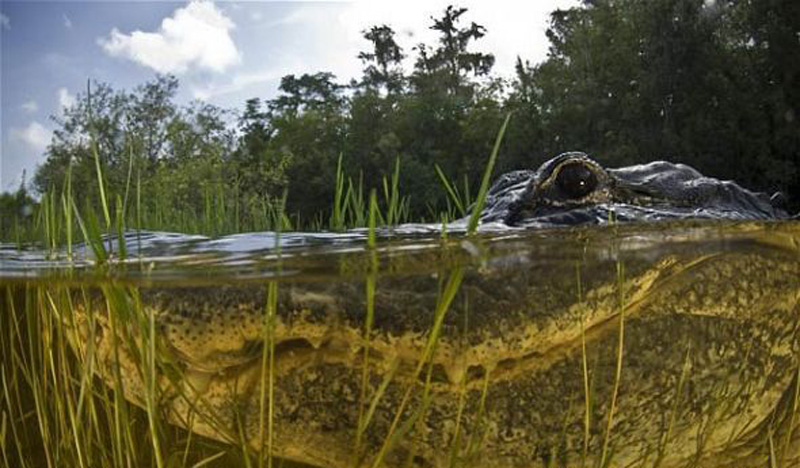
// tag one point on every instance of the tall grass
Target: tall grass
(398, 429)
(462, 392)
(459, 200)
(605, 457)
(267, 388)
(587, 400)
(101, 182)
(56, 412)
(351, 209)
(363, 415)
(219, 212)
(55, 406)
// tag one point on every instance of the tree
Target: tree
(309, 121)
(259, 168)
(16, 209)
(451, 63)
(318, 92)
(151, 111)
(175, 151)
(712, 84)
(382, 66)
(98, 115)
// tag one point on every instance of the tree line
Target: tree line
(714, 84)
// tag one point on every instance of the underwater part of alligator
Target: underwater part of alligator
(707, 374)
(708, 370)
(573, 189)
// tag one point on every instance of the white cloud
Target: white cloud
(30, 106)
(240, 82)
(35, 135)
(67, 22)
(197, 35)
(5, 22)
(65, 99)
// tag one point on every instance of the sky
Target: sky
(223, 52)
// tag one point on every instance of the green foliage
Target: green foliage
(16, 214)
(685, 80)
(447, 67)
(712, 84)
(382, 65)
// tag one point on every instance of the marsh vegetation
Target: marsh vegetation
(669, 345)
(710, 84)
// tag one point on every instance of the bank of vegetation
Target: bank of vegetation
(715, 84)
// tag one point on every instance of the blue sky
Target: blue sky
(223, 52)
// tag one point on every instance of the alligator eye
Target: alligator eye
(576, 180)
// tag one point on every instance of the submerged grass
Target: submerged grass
(363, 418)
(57, 412)
(397, 430)
(267, 390)
(662, 448)
(79, 420)
(794, 415)
(452, 285)
(605, 457)
(587, 413)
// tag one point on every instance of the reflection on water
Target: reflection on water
(630, 345)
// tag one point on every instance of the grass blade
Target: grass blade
(480, 201)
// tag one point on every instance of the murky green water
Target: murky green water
(630, 345)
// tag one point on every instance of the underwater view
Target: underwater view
(671, 344)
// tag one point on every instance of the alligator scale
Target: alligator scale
(624, 345)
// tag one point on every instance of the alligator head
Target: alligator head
(574, 189)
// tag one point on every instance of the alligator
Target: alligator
(673, 354)
(573, 189)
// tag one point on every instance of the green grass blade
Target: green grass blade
(605, 455)
(451, 190)
(339, 197)
(487, 177)
(96, 155)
